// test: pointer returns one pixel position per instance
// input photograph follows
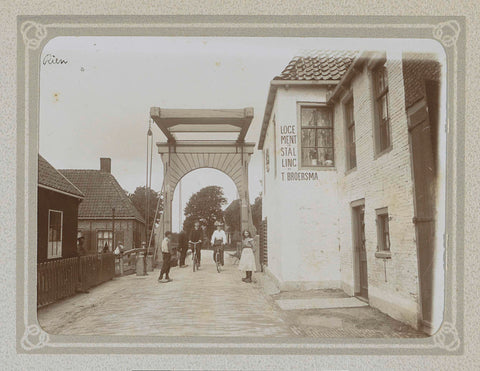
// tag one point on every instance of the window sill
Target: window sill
(385, 151)
(317, 168)
(383, 254)
(349, 171)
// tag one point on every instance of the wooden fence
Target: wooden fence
(61, 278)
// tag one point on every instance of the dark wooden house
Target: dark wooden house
(57, 216)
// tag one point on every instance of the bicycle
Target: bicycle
(217, 257)
(195, 262)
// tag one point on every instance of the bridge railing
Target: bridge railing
(126, 262)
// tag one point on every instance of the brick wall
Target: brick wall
(124, 231)
(416, 69)
(310, 224)
(385, 181)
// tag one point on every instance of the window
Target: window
(104, 240)
(55, 223)
(350, 126)
(316, 136)
(383, 231)
(382, 118)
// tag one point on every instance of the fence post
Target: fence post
(121, 264)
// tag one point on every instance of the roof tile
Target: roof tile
(50, 177)
(318, 65)
(102, 193)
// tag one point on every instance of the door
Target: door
(425, 196)
(361, 253)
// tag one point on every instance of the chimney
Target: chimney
(106, 164)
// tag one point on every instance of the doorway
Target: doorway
(358, 222)
(423, 127)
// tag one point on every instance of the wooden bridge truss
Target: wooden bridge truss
(180, 157)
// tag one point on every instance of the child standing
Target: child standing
(166, 254)
(247, 260)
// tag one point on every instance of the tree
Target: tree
(205, 204)
(138, 199)
(257, 213)
(232, 216)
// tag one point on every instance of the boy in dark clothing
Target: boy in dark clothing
(196, 236)
(183, 247)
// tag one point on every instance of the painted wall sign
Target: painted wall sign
(289, 156)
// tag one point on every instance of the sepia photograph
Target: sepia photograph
(241, 187)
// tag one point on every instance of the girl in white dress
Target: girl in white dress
(247, 260)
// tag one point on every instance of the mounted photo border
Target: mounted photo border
(33, 32)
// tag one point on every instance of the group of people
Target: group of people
(199, 239)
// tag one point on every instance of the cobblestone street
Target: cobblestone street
(193, 304)
(206, 303)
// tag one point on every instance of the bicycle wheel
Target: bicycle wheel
(217, 261)
(194, 261)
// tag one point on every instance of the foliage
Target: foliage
(205, 204)
(232, 216)
(138, 199)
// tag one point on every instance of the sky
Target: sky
(98, 103)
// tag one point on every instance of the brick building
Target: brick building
(97, 222)
(57, 214)
(350, 144)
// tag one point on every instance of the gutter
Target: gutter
(60, 191)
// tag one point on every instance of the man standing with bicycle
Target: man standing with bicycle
(196, 237)
(219, 240)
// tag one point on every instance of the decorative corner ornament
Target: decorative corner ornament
(34, 338)
(33, 33)
(447, 337)
(447, 33)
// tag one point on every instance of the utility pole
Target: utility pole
(113, 229)
(180, 206)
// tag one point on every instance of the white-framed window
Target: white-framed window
(382, 116)
(350, 134)
(316, 135)
(55, 234)
(383, 230)
(104, 240)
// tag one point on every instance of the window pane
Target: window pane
(384, 138)
(55, 228)
(309, 157)
(309, 116)
(308, 137)
(324, 138)
(325, 117)
(384, 107)
(353, 156)
(351, 134)
(315, 116)
(380, 79)
(325, 156)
